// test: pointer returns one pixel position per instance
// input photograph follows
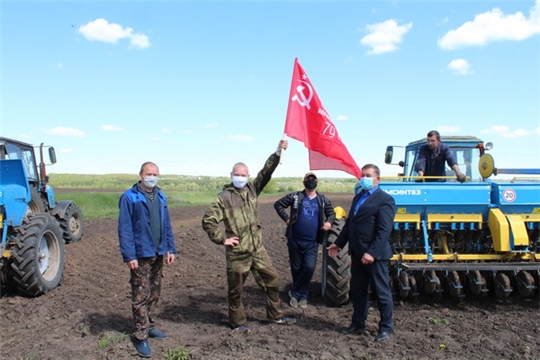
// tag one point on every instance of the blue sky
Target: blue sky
(198, 86)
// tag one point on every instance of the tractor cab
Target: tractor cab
(467, 152)
(13, 149)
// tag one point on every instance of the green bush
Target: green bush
(180, 353)
(271, 187)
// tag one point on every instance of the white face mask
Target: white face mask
(239, 181)
(150, 181)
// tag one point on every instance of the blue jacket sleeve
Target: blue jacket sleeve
(125, 229)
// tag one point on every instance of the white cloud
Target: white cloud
(102, 30)
(537, 130)
(155, 138)
(493, 26)
(240, 138)
(342, 117)
(212, 125)
(521, 132)
(187, 132)
(65, 131)
(504, 131)
(140, 41)
(448, 129)
(384, 36)
(60, 65)
(166, 131)
(460, 67)
(111, 128)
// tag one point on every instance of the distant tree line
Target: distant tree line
(187, 183)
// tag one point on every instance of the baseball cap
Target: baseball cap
(310, 174)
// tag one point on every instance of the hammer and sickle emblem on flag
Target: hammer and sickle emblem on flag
(301, 97)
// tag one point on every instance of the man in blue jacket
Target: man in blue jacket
(367, 231)
(146, 238)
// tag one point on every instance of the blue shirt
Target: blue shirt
(307, 226)
(364, 194)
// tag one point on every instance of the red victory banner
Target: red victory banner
(307, 121)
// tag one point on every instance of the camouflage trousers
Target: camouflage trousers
(266, 275)
(145, 291)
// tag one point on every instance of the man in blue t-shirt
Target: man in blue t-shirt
(433, 155)
(311, 215)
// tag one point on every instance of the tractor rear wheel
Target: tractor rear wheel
(38, 255)
(336, 270)
(36, 204)
(72, 224)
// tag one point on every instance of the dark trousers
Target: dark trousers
(238, 268)
(378, 275)
(145, 291)
(303, 259)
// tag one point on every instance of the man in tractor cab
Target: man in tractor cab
(433, 155)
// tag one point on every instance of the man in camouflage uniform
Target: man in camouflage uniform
(146, 240)
(236, 206)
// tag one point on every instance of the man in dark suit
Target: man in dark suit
(367, 230)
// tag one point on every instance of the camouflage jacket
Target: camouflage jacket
(238, 210)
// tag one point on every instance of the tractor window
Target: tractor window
(466, 157)
(410, 158)
(467, 160)
(27, 156)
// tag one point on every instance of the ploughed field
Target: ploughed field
(92, 308)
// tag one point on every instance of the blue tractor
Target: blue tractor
(34, 227)
(472, 238)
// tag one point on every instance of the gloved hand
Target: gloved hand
(461, 178)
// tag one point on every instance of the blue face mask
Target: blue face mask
(366, 183)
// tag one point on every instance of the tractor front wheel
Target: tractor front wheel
(38, 255)
(336, 274)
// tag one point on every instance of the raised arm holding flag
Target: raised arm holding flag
(307, 121)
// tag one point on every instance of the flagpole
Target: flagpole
(285, 137)
(282, 154)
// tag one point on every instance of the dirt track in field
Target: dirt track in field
(94, 300)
